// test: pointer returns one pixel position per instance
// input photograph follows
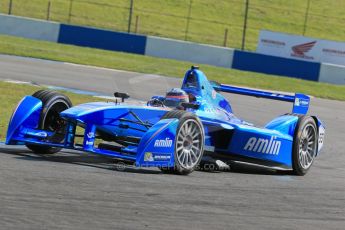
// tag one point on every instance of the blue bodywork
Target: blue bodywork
(149, 140)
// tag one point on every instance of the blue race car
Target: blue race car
(173, 132)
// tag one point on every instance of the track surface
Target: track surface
(72, 191)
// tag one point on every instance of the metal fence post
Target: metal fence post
(188, 19)
(306, 17)
(225, 37)
(70, 11)
(130, 15)
(48, 11)
(136, 23)
(245, 25)
(10, 7)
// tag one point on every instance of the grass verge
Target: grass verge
(144, 64)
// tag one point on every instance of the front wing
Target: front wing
(156, 147)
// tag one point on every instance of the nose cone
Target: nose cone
(84, 109)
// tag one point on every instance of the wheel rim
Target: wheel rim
(189, 144)
(53, 122)
(307, 146)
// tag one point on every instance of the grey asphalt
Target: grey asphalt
(81, 191)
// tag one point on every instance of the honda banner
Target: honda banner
(301, 48)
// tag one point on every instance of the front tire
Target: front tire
(305, 145)
(189, 142)
(53, 103)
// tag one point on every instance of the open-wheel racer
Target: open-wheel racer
(172, 132)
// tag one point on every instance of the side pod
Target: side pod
(26, 115)
(285, 124)
(157, 146)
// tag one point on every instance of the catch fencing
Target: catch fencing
(229, 23)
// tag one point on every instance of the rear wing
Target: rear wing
(300, 101)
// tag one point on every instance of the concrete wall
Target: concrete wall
(188, 51)
(29, 28)
(261, 63)
(334, 74)
(102, 39)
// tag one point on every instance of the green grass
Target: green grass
(12, 93)
(208, 18)
(145, 64)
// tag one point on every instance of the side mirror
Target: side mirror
(123, 96)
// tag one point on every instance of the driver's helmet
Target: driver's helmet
(175, 97)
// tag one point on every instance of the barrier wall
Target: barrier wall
(29, 28)
(188, 51)
(169, 48)
(261, 63)
(102, 39)
(334, 74)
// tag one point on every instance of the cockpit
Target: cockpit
(186, 94)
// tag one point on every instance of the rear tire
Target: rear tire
(305, 145)
(53, 103)
(189, 142)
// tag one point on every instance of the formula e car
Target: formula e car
(172, 132)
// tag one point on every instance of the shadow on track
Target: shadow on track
(83, 159)
(101, 162)
(249, 169)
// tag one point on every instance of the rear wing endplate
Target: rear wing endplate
(300, 101)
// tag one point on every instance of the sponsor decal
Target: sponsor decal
(272, 42)
(214, 94)
(42, 134)
(89, 143)
(277, 95)
(90, 135)
(165, 143)
(301, 102)
(148, 156)
(297, 102)
(333, 52)
(321, 137)
(162, 157)
(302, 49)
(263, 145)
(210, 110)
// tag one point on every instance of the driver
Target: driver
(172, 99)
(175, 97)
